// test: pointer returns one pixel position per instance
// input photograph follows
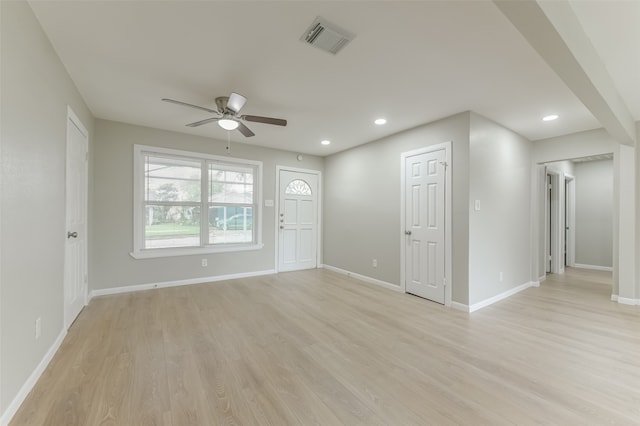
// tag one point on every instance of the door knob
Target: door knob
(407, 232)
(72, 234)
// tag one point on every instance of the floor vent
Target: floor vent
(326, 36)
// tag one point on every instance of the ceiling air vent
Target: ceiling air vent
(326, 36)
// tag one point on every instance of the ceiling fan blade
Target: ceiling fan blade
(245, 130)
(265, 120)
(236, 102)
(201, 122)
(190, 105)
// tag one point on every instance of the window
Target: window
(298, 187)
(190, 203)
(230, 204)
(172, 205)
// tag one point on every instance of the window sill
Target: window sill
(192, 251)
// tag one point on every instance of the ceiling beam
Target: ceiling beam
(554, 31)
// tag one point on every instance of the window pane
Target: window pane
(230, 224)
(171, 226)
(172, 179)
(298, 187)
(230, 186)
(232, 193)
(230, 174)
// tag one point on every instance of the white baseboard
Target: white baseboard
(625, 300)
(503, 295)
(202, 280)
(460, 306)
(593, 267)
(363, 278)
(13, 407)
(542, 279)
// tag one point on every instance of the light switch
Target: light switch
(268, 203)
(477, 205)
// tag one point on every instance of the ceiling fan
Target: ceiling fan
(227, 114)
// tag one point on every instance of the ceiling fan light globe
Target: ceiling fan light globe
(228, 124)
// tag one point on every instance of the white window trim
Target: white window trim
(139, 252)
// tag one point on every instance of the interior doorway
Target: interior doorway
(569, 220)
(577, 214)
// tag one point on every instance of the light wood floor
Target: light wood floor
(315, 347)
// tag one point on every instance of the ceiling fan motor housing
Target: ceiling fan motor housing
(221, 103)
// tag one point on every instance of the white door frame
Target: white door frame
(549, 221)
(556, 234)
(318, 173)
(538, 203)
(71, 116)
(447, 216)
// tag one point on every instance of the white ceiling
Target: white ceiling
(614, 29)
(411, 62)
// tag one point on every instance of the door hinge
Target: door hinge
(444, 280)
(549, 257)
(549, 186)
(445, 164)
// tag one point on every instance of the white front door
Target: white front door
(297, 220)
(75, 272)
(424, 187)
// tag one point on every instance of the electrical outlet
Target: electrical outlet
(38, 327)
(375, 263)
(204, 263)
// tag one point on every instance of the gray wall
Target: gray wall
(594, 213)
(362, 203)
(112, 213)
(35, 93)
(500, 232)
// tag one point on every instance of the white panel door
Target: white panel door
(297, 221)
(75, 273)
(425, 225)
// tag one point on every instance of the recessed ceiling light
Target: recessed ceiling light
(380, 121)
(325, 142)
(550, 117)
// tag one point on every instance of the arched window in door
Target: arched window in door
(298, 187)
